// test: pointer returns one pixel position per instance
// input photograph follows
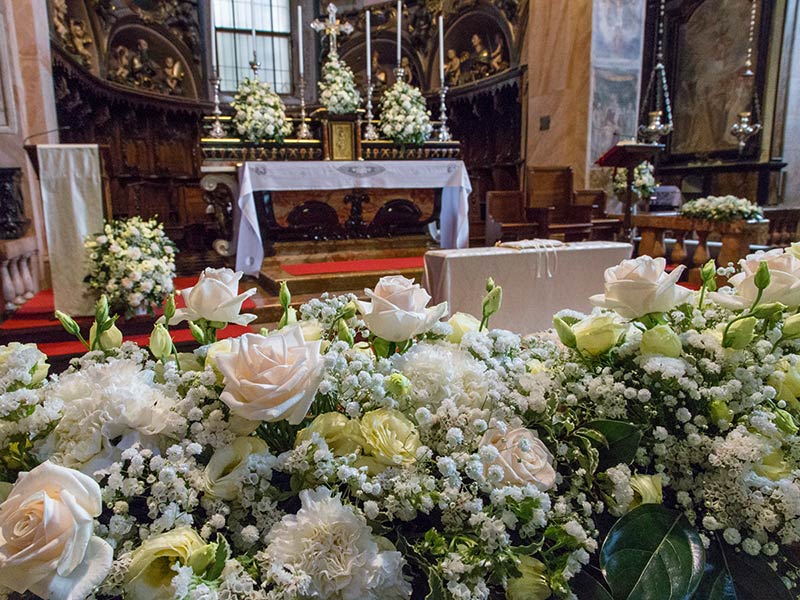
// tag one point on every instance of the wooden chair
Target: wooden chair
(603, 226)
(551, 188)
(507, 218)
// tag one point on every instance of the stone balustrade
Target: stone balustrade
(736, 238)
(18, 271)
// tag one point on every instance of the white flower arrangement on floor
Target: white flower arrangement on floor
(644, 182)
(337, 87)
(369, 450)
(404, 117)
(260, 112)
(721, 208)
(132, 262)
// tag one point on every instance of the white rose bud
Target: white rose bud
(522, 456)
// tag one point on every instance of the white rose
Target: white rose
(784, 284)
(462, 323)
(228, 466)
(215, 297)
(640, 286)
(47, 541)
(523, 457)
(597, 334)
(398, 309)
(271, 378)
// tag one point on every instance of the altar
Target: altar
(449, 176)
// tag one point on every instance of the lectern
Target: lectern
(627, 155)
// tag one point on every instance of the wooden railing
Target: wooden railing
(736, 238)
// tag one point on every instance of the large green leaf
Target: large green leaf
(652, 553)
(732, 575)
(586, 587)
(622, 441)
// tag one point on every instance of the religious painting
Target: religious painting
(617, 33)
(709, 91)
(615, 101)
(7, 120)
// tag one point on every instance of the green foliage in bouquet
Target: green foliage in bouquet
(132, 263)
(337, 87)
(260, 112)
(404, 119)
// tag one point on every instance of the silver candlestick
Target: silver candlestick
(444, 132)
(217, 131)
(255, 65)
(744, 129)
(303, 131)
(369, 132)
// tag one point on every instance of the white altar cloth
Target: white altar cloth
(530, 296)
(449, 175)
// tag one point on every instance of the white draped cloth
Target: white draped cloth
(538, 279)
(72, 198)
(449, 175)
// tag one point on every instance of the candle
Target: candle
(253, 25)
(399, 29)
(369, 45)
(441, 50)
(300, 37)
(214, 50)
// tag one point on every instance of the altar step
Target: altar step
(310, 268)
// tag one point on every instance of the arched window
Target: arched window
(233, 22)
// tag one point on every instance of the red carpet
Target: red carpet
(355, 266)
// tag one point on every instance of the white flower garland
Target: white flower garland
(404, 118)
(337, 87)
(260, 112)
(132, 262)
(721, 208)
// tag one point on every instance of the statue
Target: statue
(143, 68)
(378, 72)
(452, 68)
(60, 18)
(498, 64)
(408, 75)
(480, 57)
(120, 64)
(80, 40)
(173, 75)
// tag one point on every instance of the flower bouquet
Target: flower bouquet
(644, 182)
(721, 208)
(404, 118)
(260, 112)
(132, 262)
(337, 87)
(366, 449)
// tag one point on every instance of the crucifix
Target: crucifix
(331, 27)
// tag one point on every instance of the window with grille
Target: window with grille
(233, 22)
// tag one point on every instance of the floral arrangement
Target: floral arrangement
(260, 112)
(132, 262)
(337, 87)
(644, 182)
(366, 449)
(721, 208)
(404, 118)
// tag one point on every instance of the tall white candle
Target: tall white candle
(253, 24)
(214, 65)
(369, 45)
(300, 37)
(399, 29)
(441, 50)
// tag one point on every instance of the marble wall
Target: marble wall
(27, 96)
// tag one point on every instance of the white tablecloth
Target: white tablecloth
(449, 175)
(530, 296)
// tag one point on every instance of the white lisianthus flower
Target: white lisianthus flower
(47, 541)
(522, 456)
(215, 297)
(332, 545)
(107, 409)
(784, 285)
(640, 286)
(271, 378)
(398, 309)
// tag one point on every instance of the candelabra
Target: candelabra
(217, 131)
(369, 132)
(444, 132)
(303, 132)
(655, 128)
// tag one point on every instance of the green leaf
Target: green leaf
(593, 435)
(586, 587)
(652, 553)
(220, 556)
(622, 439)
(732, 575)
(436, 589)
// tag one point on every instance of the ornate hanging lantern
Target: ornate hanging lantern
(749, 123)
(656, 101)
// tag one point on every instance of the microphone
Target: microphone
(40, 133)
